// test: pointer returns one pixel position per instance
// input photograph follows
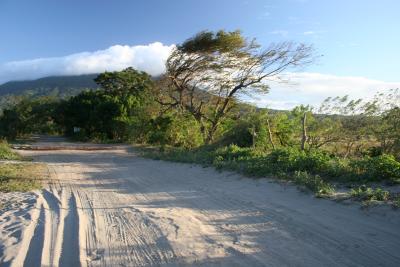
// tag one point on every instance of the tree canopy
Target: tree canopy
(206, 73)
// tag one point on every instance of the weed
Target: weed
(6, 152)
(314, 183)
(21, 177)
(364, 193)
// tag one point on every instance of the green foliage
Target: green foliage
(179, 130)
(60, 86)
(364, 193)
(27, 116)
(380, 168)
(312, 169)
(314, 183)
(119, 111)
(239, 134)
(6, 152)
(128, 82)
(293, 159)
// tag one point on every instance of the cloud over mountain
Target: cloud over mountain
(150, 58)
(304, 87)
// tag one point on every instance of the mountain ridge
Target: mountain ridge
(51, 85)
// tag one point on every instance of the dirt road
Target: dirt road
(113, 208)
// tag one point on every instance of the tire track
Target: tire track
(110, 209)
(34, 256)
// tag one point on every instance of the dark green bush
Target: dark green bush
(367, 194)
(384, 167)
(291, 159)
(239, 135)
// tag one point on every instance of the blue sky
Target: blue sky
(356, 38)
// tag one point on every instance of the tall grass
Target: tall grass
(6, 153)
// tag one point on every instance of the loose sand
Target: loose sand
(113, 208)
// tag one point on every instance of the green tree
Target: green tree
(206, 73)
(119, 110)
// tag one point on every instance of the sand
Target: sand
(113, 208)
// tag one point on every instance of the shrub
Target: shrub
(367, 194)
(238, 135)
(291, 159)
(234, 152)
(314, 183)
(384, 167)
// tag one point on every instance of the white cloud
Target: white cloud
(304, 88)
(150, 58)
(313, 88)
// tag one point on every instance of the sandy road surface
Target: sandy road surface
(112, 208)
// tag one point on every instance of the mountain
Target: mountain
(55, 85)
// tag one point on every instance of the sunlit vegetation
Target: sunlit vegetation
(21, 177)
(6, 153)
(193, 113)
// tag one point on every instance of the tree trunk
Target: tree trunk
(271, 140)
(348, 149)
(304, 135)
(211, 132)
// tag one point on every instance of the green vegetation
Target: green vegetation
(6, 153)
(368, 194)
(193, 114)
(21, 176)
(55, 85)
(18, 176)
(314, 169)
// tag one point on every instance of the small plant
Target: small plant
(313, 182)
(368, 194)
(6, 152)
(383, 167)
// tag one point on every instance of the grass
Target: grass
(6, 153)
(21, 177)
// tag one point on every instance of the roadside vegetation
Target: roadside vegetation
(194, 113)
(21, 177)
(16, 176)
(6, 153)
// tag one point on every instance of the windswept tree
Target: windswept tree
(206, 73)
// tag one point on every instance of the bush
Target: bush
(291, 159)
(313, 182)
(367, 194)
(384, 167)
(239, 135)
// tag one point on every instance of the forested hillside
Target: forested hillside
(55, 85)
